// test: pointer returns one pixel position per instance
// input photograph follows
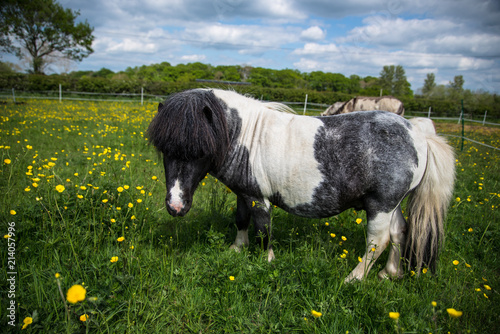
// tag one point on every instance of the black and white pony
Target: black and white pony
(312, 167)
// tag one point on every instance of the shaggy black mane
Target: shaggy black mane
(191, 125)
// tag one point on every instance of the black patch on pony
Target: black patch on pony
(353, 165)
(191, 125)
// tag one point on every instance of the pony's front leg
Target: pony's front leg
(261, 216)
(242, 223)
(377, 239)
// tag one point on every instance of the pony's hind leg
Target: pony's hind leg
(393, 268)
(242, 223)
(378, 237)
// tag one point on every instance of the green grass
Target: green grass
(173, 274)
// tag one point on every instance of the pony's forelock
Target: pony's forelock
(191, 125)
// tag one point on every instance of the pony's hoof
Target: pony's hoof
(270, 255)
(351, 279)
(384, 274)
(235, 248)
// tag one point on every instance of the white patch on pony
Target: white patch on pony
(282, 160)
(176, 196)
(241, 240)
(422, 128)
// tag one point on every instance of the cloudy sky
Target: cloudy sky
(446, 37)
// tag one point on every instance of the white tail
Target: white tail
(429, 202)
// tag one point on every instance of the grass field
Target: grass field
(83, 202)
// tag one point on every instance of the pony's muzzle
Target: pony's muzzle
(176, 209)
(176, 203)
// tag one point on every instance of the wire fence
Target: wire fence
(302, 106)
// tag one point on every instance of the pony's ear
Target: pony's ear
(208, 114)
(160, 106)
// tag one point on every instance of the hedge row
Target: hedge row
(39, 83)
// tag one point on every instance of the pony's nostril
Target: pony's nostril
(177, 207)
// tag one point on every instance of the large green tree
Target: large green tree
(393, 81)
(44, 29)
(429, 84)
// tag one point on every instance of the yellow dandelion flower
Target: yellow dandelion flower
(316, 314)
(76, 294)
(114, 259)
(231, 278)
(120, 239)
(84, 317)
(454, 313)
(394, 315)
(27, 321)
(60, 188)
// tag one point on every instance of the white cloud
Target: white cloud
(193, 58)
(131, 45)
(423, 35)
(240, 37)
(320, 50)
(314, 33)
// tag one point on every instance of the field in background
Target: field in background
(75, 177)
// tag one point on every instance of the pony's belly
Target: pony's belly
(320, 207)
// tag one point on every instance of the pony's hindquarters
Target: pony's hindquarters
(428, 203)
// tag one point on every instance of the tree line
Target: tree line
(42, 32)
